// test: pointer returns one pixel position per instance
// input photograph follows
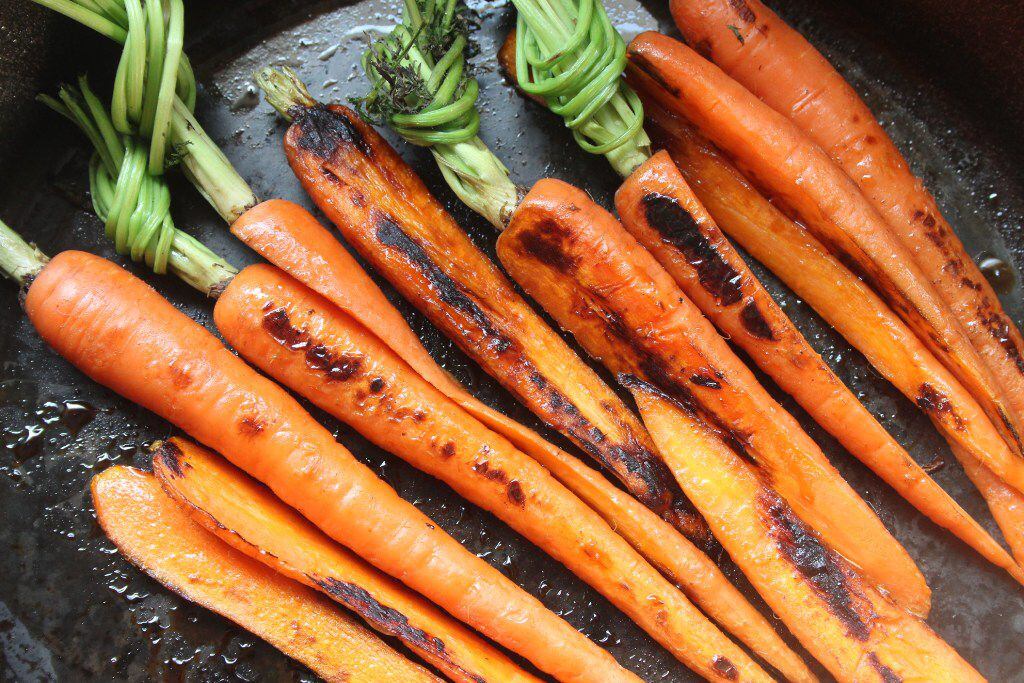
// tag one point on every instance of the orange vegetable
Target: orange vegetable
(121, 333)
(248, 517)
(590, 274)
(157, 537)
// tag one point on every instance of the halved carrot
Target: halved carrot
(155, 535)
(856, 312)
(248, 517)
(324, 355)
(842, 620)
(387, 214)
(590, 274)
(778, 65)
(776, 155)
(120, 332)
(661, 211)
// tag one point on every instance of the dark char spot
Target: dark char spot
(337, 368)
(376, 385)
(705, 381)
(725, 667)
(544, 244)
(639, 61)
(678, 228)
(515, 493)
(887, 674)
(743, 11)
(754, 321)
(171, 458)
(931, 401)
(251, 425)
(323, 130)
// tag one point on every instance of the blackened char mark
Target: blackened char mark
(755, 323)
(337, 368)
(725, 667)
(513, 488)
(930, 400)
(641, 63)
(678, 228)
(819, 565)
(544, 243)
(387, 619)
(171, 458)
(887, 674)
(322, 131)
(743, 11)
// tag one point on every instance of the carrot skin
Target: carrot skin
(248, 517)
(121, 333)
(386, 213)
(319, 352)
(854, 631)
(157, 537)
(776, 155)
(590, 274)
(778, 65)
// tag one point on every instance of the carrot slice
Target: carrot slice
(590, 274)
(120, 332)
(248, 517)
(801, 176)
(857, 313)
(158, 538)
(778, 65)
(319, 352)
(842, 620)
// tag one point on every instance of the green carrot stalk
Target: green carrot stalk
(19, 260)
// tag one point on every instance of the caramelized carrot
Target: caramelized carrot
(318, 351)
(856, 312)
(598, 282)
(854, 631)
(288, 236)
(778, 65)
(248, 517)
(120, 332)
(386, 213)
(157, 537)
(800, 175)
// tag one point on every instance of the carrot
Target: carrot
(780, 158)
(157, 537)
(246, 516)
(661, 211)
(319, 352)
(120, 332)
(854, 310)
(853, 630)
(778, 65)
(288, 236)
(386, 213)
(590, 274)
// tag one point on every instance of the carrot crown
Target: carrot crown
(19, 260)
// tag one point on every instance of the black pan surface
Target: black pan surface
(71, 609)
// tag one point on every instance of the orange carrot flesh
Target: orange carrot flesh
(778, 65)
(386, 213)
(245, 515)
(801, 176)
(324, 355)
(155, 535)
(661, 211)
(121, 333)
(854, 631)
(855, 311)
(287, 235)
(598, 282)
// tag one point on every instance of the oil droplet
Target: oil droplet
(247, 100)
(998, 273)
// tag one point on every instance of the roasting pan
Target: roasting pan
(945, 76)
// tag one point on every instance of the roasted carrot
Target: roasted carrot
(661, 211)
(245, 515)
(778, 65)
(120, 332)
(599, 283)
(318, 351)
(776, 155)
(157, 537)
(288, 236)
(858, 634)
(387, 214)
(854, 310)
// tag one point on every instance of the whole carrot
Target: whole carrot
(121, 333)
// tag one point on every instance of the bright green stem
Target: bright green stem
(19, 260)
(479, 179)
(192, 262)
(284, 91)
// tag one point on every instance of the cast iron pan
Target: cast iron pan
(943, 76)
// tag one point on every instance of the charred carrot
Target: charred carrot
(598, 282)
(854, 310)
(778, 65)
(247, 516)
(121, 333)
(157, 537)
(773, 151)
(324, 355)
(841, 619)
(288, 236)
